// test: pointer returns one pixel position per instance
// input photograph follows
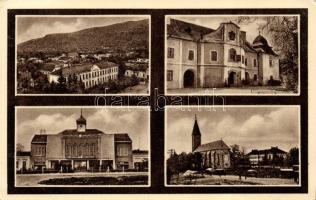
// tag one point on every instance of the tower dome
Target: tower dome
(81, 123)
(260, 40)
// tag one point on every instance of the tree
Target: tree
(19, 147)
(293, 158)
(61, 85)
(283, 31)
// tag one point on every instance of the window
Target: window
(17, 164)
(213, 55)
(246, 61)
(242, 59)
(270, 63)
(254, 62)
(169, 75)
(191, 55)
(232, 55)
(232, 35)
(170, 52)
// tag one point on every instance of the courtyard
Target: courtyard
(244, 90)
(229, 180)
(82, 178)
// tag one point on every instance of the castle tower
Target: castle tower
(81, 123)
(196, 135)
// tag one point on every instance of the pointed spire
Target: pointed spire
(196, 128)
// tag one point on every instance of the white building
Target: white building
(89, 74)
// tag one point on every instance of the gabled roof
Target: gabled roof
(122, 137)
(216, 145)
(39, 139)
(272, 150)
(185, 30)
(75, 132)
(23, 153)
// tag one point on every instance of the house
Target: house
(202, 57)
(90, 74)
(215, 155)
(271, 156)
(23, 161)
(73, 55)
(140, 159)
(138, 73)
(81, 149)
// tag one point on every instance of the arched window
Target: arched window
(232, 35)
(232, 55)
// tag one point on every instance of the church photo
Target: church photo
(246, 55)
(235, 145)
(82, 146)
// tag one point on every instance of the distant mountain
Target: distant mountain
(121, 36)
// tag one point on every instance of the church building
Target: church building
(201, 57)
(82, 149)
(215, 155)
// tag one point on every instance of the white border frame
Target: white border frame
(90, 107)
(101, 15)
(236, 106)
(227, 94)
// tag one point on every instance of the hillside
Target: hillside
(121, 36)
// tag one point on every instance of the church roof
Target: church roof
(196, 128)
(81, 120)
(122, 137)
(216, 145)
(185, 30)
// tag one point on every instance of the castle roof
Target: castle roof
(185, 30)
(260, 43)
(216, 145)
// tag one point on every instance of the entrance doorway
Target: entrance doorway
(80, 165)
(188, 79)
(232, 78)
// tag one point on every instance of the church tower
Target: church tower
(196, 135)
(81, 123)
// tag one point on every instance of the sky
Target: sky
(213, 22)
(109, 120)
(249, 127)
(36, 27)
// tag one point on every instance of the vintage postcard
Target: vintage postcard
(236, 54)
(233, 145)
(60, 54)
(82, 146)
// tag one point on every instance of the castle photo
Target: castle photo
(216, 52)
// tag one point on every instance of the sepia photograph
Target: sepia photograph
(234, 146)
(60, 54)
(82, 146)
(236, 55)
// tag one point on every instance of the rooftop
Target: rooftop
(216, 145)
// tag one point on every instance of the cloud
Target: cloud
(109, 121)
(279, 127)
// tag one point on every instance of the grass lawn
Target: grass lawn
(122, 180)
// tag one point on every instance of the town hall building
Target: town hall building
(215, 155)
(81, 149)
(202, 57)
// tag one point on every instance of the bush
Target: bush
(273, 82)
